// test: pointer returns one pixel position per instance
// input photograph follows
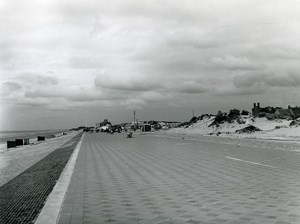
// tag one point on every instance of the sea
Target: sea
(31, 134)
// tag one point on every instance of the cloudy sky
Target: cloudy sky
(65, 63)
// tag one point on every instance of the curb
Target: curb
(51, 210)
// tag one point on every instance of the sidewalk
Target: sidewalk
(160, 180)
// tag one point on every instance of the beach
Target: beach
(27, 134)
(14, 161)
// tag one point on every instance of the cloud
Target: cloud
(192, 88)
(8, 88)
(267, 79)
(30, 89)
(153, 96)
(134, 53)
(256, 89)
(283, 79)
(43, 80)
(248, 80)
(234, 63)
(35, 79)
(46, 80)
(70, 94)
(86, 62)
(133, 103)
(126, 82)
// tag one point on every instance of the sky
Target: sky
(65, 63)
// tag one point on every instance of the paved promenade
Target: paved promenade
(150, 179)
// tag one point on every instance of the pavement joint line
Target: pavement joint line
(51, 210)
(246, 161)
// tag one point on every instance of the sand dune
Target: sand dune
(279, 129)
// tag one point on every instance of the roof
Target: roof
(105, 122)
(295, 111)
(283, 112)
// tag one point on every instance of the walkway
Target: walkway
(150, 179)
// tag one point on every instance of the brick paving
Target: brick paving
(150, 179)
(22, 198)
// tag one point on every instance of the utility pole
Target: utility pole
(134, 120)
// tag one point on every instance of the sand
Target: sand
(279, 129)
(15, 160)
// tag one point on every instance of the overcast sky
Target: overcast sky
(65, 63)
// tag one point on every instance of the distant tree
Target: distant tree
(193, 120)
(233, 115)
(219, 119)
(245, 112)
(234, 112)
(262, 115)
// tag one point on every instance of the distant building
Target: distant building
(146, 127)
(103, 125)
(295, 111)
(283, 113)
(137, 124)
(256, 110)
